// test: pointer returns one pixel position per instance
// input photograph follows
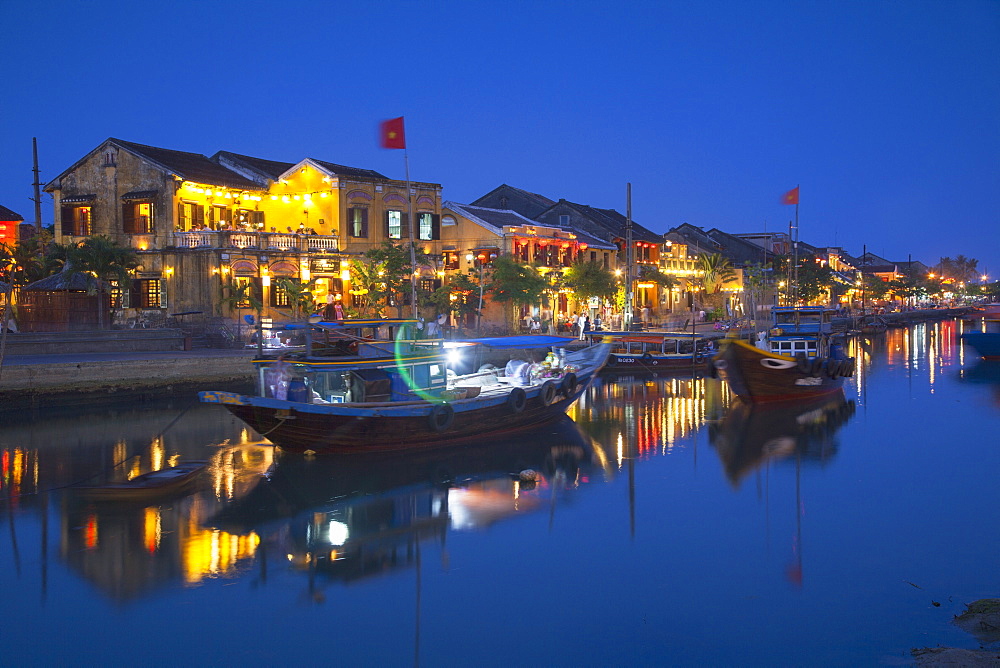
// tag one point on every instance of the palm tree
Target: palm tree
(299, 295)
(716, 271)
(108, 261)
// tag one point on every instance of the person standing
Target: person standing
(582, 322)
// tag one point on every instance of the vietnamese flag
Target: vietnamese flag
(790, 197)
(392, 133)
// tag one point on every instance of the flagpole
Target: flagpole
(413, 252)
(795, 290)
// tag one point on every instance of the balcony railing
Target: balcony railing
(301, 243)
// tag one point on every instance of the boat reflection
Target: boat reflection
(750, 436)
(128, 549)
(985, 372)
(352, 517)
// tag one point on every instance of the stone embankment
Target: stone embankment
(37, 367)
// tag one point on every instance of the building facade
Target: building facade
(203, 225)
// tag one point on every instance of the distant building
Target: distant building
(9, 222)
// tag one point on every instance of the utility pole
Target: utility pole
(38, 197)
(629, 305)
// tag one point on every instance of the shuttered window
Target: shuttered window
(357, 222)
(76, 220)
(397, 225)
(137, 217)
(429, 227)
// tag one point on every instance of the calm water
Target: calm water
(666, 525)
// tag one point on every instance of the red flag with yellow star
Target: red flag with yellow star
(790, 197)
(392, 133)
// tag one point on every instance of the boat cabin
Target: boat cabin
(352, 361)
(800, 330)
(654, 343)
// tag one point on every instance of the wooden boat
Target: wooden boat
(655, 351)
(397, 391)
(796, 359)
(147, 487)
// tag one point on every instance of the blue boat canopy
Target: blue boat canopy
(530, 341)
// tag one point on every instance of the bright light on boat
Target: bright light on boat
(338, 532)
(454, 356)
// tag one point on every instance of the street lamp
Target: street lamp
(479, 313)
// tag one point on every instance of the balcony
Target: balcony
(281, 241)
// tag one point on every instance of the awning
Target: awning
(139, 195)
(76, 199)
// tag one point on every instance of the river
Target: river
(660, 523)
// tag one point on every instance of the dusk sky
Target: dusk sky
(886, 114)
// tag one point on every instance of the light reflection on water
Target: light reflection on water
(658, 499)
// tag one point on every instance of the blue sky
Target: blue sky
(887, 114)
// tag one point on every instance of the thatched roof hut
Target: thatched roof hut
(67, 301)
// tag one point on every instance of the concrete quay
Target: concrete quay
(47, 376)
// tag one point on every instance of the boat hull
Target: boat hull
(623, 363)
(391, 426)
(757, 375)
(987, 344)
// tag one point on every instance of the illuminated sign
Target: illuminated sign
(324, 265)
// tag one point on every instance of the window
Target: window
(253, 291)
(429, 226)
(279, 295)
(563, 219)
(397, 225)
(451, 259)
(219, 216)
(137, 217)
(76, 220)
(448, 220)
(190, 216)
(426, 228)
(357, 222)
(146, 293)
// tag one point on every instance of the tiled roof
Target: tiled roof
(614, 222)
(271, 169)
(140, 194)
(497, 217)
(543, 201)
(8, 215)
(189, 166)
(343, 170)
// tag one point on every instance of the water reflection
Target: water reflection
(752, 436)
(351, 517)
(984, 372)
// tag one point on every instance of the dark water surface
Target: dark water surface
(665, 525)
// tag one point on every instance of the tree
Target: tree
(589, 279)
(716, 271)
(236, 295)
(392, 275)
(300, 295)
(460, 295)
(961, 269)
(105, 259)
(515, 283)
(815, 280)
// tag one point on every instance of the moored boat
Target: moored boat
(797, 358)
(397, 392)
(986, 342)
(655, 351)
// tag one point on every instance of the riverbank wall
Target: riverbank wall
(39, 379)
